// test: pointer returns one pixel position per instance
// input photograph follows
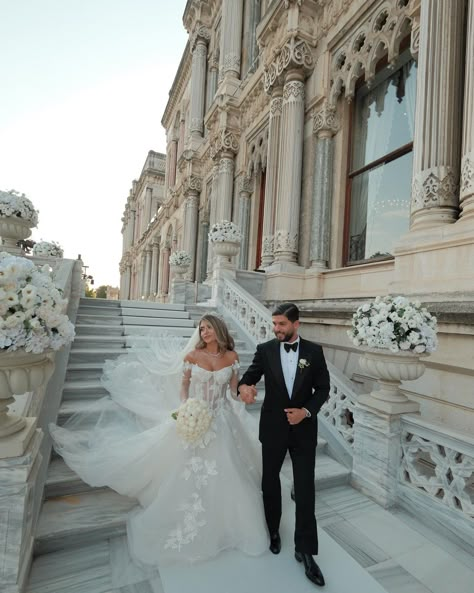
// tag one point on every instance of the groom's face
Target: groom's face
(284, 329)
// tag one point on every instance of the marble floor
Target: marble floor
(364, 549)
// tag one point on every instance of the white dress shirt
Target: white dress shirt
(289, 361)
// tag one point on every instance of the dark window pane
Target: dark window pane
(384, 116)
(380, 207)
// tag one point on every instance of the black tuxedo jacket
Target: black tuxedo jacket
(310, 390)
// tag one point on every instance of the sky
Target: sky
(83, 88)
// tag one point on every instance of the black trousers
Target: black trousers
(303, 458)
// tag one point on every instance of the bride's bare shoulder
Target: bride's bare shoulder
(191, 356)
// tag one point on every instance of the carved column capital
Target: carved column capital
(201, 33)
(245, 185)
(192, 185)
(225, 140)
(325, 122)
(295, 53)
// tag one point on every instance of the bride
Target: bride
(198, 492)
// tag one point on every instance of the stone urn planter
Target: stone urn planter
(225, 250)
(13, 229)
(179, 272)
(20, 372)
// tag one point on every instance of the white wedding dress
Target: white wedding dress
(194, 500)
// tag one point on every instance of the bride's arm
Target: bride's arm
(186, 380)
(234, 380)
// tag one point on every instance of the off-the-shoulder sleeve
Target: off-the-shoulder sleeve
(187, 371)
(234, 380)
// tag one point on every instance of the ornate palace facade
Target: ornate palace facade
(339, 136)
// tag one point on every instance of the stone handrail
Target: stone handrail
(438, 463)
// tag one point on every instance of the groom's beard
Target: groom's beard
(282, 337)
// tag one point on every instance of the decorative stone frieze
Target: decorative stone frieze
(325, 121)
(380, 34)
(436, 186)
(225, 140)
(284, 241)
(295, 53)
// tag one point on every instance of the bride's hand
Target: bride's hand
(248, 393)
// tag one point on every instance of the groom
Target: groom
(296, 386)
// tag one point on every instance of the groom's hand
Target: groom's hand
(295, 415)
(248, 393)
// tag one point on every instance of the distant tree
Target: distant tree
(101, 292)
(90, 292)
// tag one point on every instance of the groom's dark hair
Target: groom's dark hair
(289, 310)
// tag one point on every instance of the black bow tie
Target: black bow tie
(293, 346)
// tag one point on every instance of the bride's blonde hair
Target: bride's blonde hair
(224, 340)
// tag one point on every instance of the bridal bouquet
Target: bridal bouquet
(225, 231)
(193, 420)
(48, 249)
(13, 204)
(31, 308)
(396, 324)
(180, 259)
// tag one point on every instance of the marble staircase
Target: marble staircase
(75, 515)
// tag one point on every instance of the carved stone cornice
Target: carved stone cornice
(225, 141)
(295, 53)
(325, 120)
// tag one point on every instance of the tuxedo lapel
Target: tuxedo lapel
(299, 376)
(276, 365)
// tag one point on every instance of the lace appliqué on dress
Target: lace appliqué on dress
(199, 470)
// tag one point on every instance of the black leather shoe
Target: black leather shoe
(275, 543)
(311, 569)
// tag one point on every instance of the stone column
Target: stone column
(198, 82)
(274, 126)
(172, 158)
(231, 38)
(437, 141)
(191, 228)
(128, 282)
(133, 233)
(212, 82)
(148, 201)
(146, 283)
(182, 130)
(244, 220)
(467, 163)
(155, 254)
(290, 169)
(325, 126)
(203, 248)
(226, 186)
(166, 270)
(141, 275)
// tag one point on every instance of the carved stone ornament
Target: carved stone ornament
(276, 106)
(225, 140)
(286, 242)
(467, 175)
(288, 2)
(226, 165)
(245, 185)
(192, 184)
(192, 202)
(293, 91)
(295, 53)
(434, 187)
(267, 248)
(201, 32)
(232, 62)
(325, 119)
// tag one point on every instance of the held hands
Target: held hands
(295, 415)
(248, 393)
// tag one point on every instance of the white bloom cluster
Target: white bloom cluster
(31, 307)
(48, 249)
(13, 203)
(225, 231)
(180, 258)
(193, 420)
(396, 324)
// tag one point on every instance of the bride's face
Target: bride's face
(207, 332)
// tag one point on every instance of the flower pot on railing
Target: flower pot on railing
(179, 271)
(17, 217)
(225, 238)
(20, 372)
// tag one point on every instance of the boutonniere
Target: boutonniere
(303, 363)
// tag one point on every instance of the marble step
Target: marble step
(87, 301)
(154, 313)
(75, 520)
(91, 319)
(102, 311)
(84, 355)
(96, 329)
(133, 319)
(98, 342)
(84, 389)
(153, 306)
(84, 371)
(62, 481)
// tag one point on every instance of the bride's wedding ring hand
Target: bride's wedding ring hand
(295, 415)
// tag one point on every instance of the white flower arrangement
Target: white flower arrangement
(12, 204)
(396, 324)
(31, 308)
(48, 249)
(180, 259)
(225, 231)
(193, 420)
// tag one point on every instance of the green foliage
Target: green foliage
(101, 292)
